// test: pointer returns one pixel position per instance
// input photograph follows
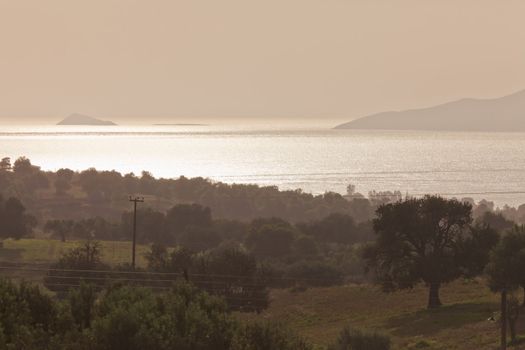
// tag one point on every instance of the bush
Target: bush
(130, 318)
(83, 263)
(352, 339)
(27, 316)
(184, 318)
(267, 336)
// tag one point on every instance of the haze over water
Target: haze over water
(478, 165)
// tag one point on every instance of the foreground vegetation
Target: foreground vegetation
(318, 314)
(129, 318)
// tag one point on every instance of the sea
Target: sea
(453, 164)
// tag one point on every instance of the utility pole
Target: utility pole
(503, 319)
(135, 200)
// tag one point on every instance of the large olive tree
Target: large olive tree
(427, 240)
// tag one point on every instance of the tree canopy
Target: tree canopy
(422, 240)
(14, 221)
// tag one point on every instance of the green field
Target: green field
(320, 313)
(47, 251)
(462, 323)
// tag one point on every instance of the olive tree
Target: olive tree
(427, 240)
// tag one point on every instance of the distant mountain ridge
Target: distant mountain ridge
(80, 119)
(506, 113)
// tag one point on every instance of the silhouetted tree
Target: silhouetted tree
(101, 186)
(23, 166)
(14, 222)
(63, 181)
(60, 228)
(417, 240)
(5, 164)
(496, 221)
(29, 176)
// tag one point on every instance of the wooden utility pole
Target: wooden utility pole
(503, 319)
(135, 200)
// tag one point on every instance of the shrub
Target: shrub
(130, 318)
(27, 316)
(184, 318)
(352, 339)
(267, 336)
(81, 263)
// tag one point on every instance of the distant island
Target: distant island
(499, 114)
(79, 119)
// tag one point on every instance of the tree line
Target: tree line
(239, 260)
(67, 194)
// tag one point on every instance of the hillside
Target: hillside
(79, 119)
(500, 114)
(461, 323)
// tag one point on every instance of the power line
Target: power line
(145, 273)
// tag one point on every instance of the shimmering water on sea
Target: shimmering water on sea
(478, 165)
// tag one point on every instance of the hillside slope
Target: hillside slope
(500, 114)
(461, 323)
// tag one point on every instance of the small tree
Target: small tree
(418, 239)
(83, 263)
(14, 222)
(60, 228)
(5, 164)
(505, 274)
(496, 221)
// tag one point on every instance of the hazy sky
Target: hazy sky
(195, 60)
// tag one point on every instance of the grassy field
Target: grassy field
(462, 323)
(47, 251)
(320, 313)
